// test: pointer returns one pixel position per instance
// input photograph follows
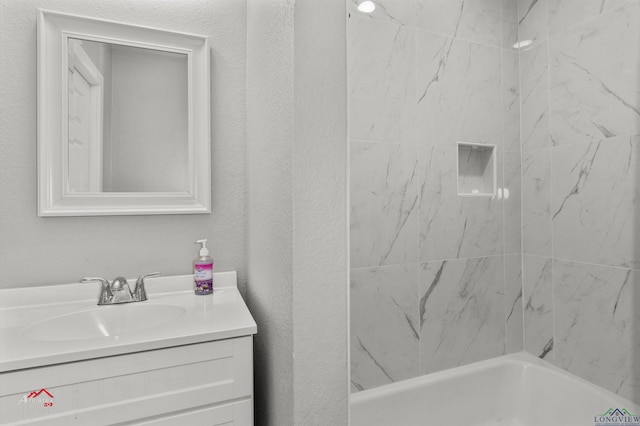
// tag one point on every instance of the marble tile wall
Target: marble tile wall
(436, 278)
(580, 106)
(440, 280)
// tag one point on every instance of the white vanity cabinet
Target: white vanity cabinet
(193, 379)
(200, 384)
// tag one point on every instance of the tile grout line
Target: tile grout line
(614, 139)
(419, 190)
(587, 21)
(504, 214)
(417, 28)
(581, 262)
(422, 262)
(550, 142)
(520, 98)
(349, 391)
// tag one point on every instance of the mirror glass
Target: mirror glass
(128, 121)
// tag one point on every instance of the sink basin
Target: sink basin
(101, 322)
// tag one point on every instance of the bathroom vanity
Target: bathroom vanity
(176, 358)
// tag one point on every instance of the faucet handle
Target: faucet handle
(94, 279)
(139, 291)
(105, 289)
(142, 277)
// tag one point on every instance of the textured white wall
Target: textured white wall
(320, 204)
(295, 178)
(53, 250)
(297, 215)
(270, 215)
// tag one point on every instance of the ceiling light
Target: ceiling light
(522, 44)
(366, 6)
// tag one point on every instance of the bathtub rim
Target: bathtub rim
(522, 360)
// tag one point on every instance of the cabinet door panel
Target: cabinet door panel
(235, 414)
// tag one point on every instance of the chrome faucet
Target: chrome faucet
(119, 291)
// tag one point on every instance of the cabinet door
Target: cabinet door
(235, 414)
(204, 380)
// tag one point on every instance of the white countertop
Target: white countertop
(222, 315)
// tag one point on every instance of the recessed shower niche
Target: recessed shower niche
(476, 169)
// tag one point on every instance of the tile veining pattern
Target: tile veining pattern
(580, 82)
(436, 278)
(440, 280)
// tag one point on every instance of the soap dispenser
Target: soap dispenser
(203, 270)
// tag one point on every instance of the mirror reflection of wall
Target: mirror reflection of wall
(128, 119)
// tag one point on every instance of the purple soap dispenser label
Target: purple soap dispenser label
(203, 276)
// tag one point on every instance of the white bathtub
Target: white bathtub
(513, 390)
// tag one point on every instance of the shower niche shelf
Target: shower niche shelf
(476, 169)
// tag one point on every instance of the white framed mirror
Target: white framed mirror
(123, 119)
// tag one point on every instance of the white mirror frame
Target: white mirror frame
(54, 198)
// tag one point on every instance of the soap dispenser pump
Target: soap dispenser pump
(203, 270)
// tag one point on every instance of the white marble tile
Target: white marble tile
(595, 202)
(512, 203)
(537, 294)
(384, 204)
(384, 325)
(564, 14)
(402, 12)
(390, 120)
(534, 98)
(509, 21)
(459, 99)
(533, 20)
(477, 20)
(511, 101)
(513, 302)
(454, 226)
(461, 312)
(380, 59)
(459, 91)
(536, 203)
(596, 325)
(595, 89)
